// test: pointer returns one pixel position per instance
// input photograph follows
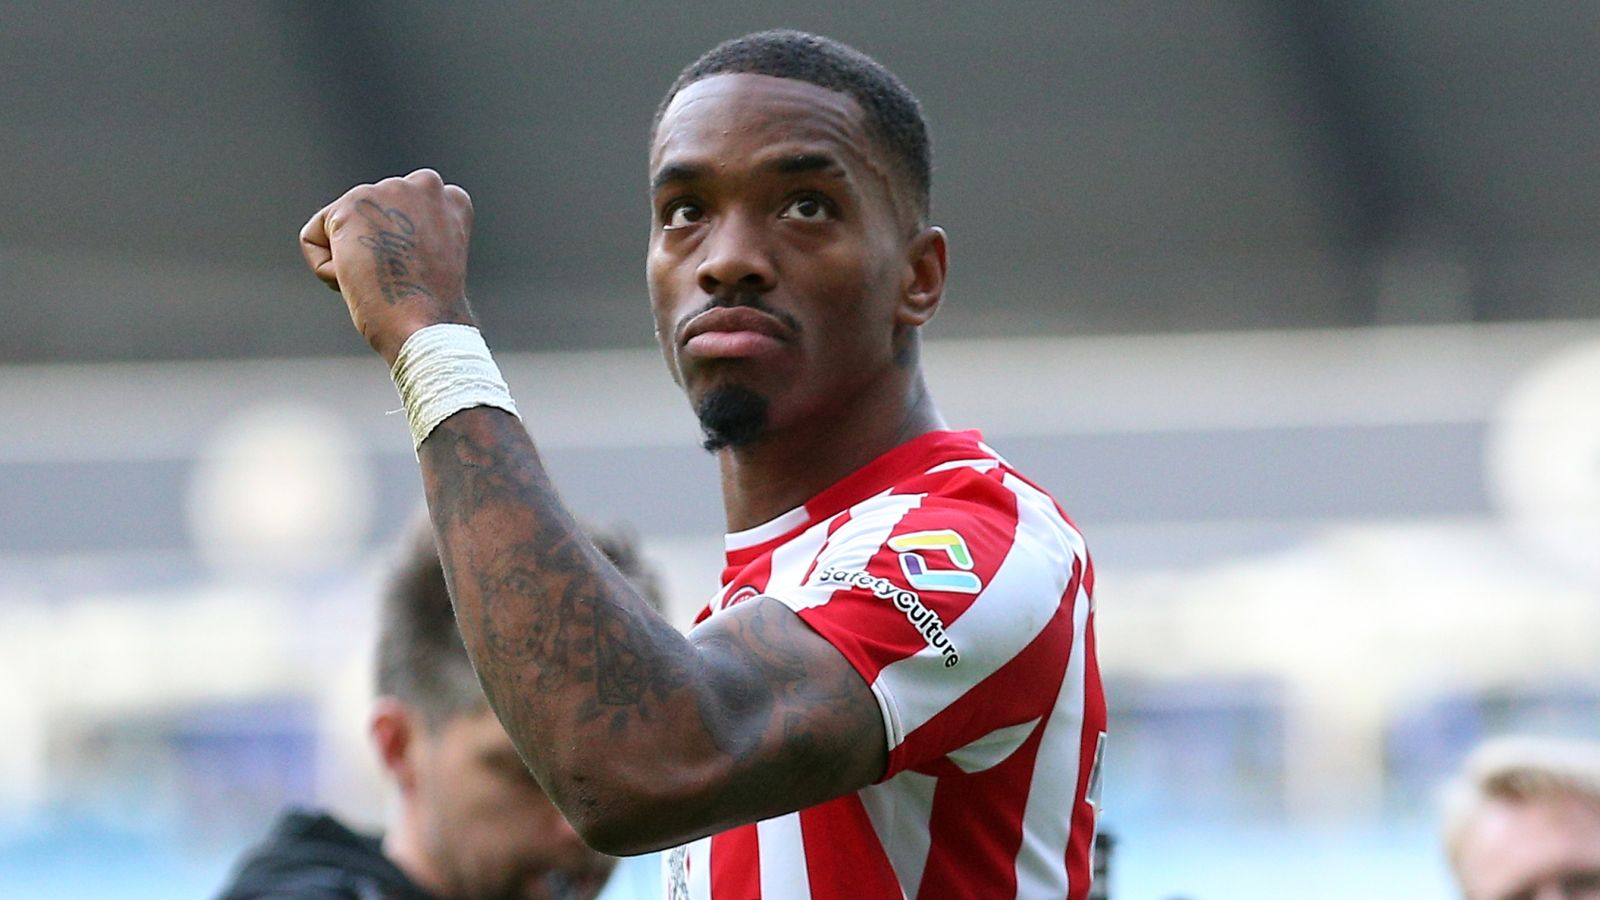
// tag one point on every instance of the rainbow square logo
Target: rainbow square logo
(915, 550)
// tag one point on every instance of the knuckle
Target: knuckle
(339, 210)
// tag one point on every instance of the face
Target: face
(488, 826)
(779, 251)
(1538, 850)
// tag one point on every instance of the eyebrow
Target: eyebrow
(677, 173)
(802, 163)
(795, 164)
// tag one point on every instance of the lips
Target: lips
(734, 331)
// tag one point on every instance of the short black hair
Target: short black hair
(421, 659)
(894, 116)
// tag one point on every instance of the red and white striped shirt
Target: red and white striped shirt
(961, 593)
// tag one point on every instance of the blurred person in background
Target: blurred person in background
(895, 691)
(470, 821)
(1522, 821)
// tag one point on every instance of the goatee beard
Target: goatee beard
(732, 415)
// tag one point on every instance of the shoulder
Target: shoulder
(966, 561)
(970, 510)
(956, 595)
(312, 855)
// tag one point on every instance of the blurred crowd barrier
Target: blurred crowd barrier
(1330, 562)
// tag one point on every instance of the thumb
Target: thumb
(317, 248)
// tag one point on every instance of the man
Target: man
(895, 692)
(1523, 821)
(471, 822)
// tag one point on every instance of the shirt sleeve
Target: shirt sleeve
(930, 600)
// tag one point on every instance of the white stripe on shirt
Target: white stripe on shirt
(783, 859)
(900, 810)
(1042, 858)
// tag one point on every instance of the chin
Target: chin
(733, 416)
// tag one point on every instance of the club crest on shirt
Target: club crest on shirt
(677, 873)
(915, 550)
(739, 595)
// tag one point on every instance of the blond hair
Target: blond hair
(1518, 770)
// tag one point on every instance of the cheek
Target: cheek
(865, 289)
(659, 300)
(662, 319)
(670, 294)
(504, 824)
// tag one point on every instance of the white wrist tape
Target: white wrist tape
(443, 369)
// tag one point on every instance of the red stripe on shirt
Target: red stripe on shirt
(1007, 697)
(1081, 844)
(839, 863)
(969, 837)
(736, 864)
(974, 845)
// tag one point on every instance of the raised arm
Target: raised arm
(645, 738)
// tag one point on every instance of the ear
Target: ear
(398, 735)
(923, 287)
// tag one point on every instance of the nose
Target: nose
(736, 256)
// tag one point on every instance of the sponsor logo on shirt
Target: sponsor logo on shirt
(914, 549)
(925, 620)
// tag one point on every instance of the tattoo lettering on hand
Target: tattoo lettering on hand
(392, 243)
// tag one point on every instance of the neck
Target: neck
(789, 467)
(404, 846)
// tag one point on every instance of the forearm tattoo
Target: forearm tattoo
(551, 615)
(570, 656)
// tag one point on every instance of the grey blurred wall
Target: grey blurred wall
(1136, 166)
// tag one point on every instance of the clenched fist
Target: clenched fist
(397, 252)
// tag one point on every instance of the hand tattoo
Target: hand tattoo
(392, 243)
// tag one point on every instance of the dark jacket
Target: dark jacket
(310, 855)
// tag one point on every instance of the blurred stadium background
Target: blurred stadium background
(1295, 304)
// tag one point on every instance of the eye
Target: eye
(681, 214)
(807, 209)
